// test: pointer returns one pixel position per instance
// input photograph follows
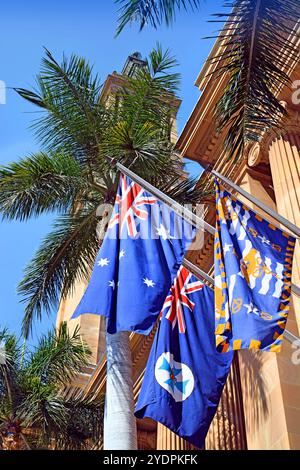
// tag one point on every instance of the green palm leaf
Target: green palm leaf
(40, 183)
(86, 420)
(36, 404)
(72, 116)
(66, 255)
(183, 190)
(59, 356)
(258, 39)
(153, 12)
(140, 134)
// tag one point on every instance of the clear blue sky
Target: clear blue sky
(85, 28)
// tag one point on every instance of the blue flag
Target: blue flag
(185, 374)
(142, 250)
(253, 270)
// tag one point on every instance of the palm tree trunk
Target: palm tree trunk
(119, 421)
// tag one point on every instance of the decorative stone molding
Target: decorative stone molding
(259, 152)
(254, 155)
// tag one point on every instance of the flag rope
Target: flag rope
(192, 218)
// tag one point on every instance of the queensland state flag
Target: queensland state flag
(142, 250)
(185, 374)
(253, 270)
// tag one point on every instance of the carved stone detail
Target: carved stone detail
(259, 152)
(254, 155)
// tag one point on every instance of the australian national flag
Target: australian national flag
(253, 270)
(142, 250)
(185, 374)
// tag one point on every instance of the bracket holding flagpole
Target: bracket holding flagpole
(192, 218)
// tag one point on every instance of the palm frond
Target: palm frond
(32, 96)
(258, 39)
(59, 356)
(38, 184)
(160, 65)
(66, 255)
(72, 116)
(182, 189)
(43, 408)
(9, 348)
(144, 149)
(152, 12)
(9, 354)
(86, 417)
(150, 96)
(36, 409)
(140, 135)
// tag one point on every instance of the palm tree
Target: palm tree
(36, 408)
(73, 176)
(258, 41)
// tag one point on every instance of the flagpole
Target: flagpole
(280, 219)
(290, 337)
(188, 215)
(197, 271)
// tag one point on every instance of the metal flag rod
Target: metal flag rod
(296, 290)
(196, 270)
(290, 337)
(282, 220)
(188, 215)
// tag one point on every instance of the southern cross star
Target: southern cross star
(227, 248)
(173, 381)
(264, 240)
(103, 262)
(252, 309)
(148, 282)
(112, 284)
(162, 232)
(122, 254)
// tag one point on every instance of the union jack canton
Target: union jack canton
(184, 283)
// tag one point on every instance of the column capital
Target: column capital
(258, 152)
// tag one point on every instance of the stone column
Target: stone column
(284, 158)
(227, 430)
(167, 440)
(263, 374)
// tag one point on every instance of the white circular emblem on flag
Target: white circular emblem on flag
(175, 377)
